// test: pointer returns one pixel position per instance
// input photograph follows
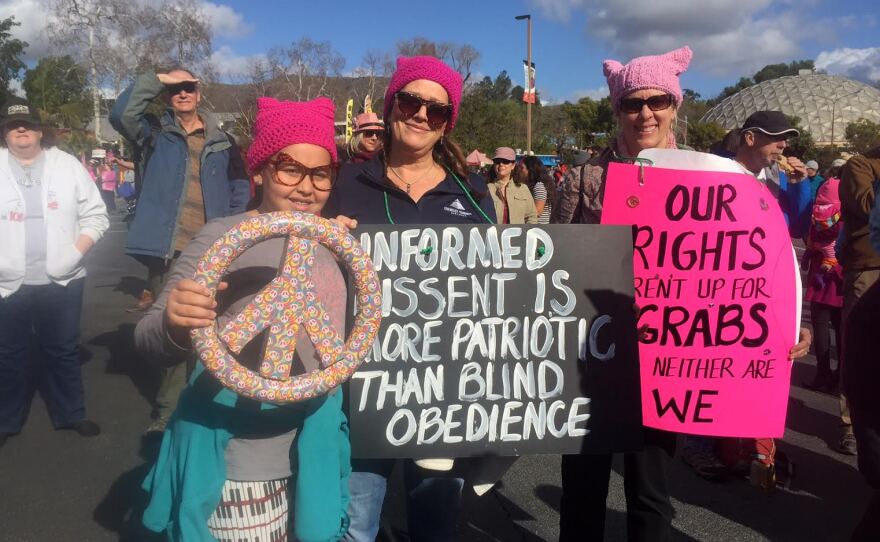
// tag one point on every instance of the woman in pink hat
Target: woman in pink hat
(366, 140)
(645, 95)
(228, 465)
(421, 177)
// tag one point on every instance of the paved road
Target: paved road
(57, 486)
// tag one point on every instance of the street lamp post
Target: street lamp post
(528, 19)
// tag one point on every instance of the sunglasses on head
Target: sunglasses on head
(654, 103)
(436, 113)
(188, 86)
(290, 172)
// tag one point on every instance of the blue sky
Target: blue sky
(571, 38)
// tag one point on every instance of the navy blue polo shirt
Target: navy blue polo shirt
(360, 190)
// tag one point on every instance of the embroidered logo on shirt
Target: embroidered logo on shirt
(457, 209)
(51, 201)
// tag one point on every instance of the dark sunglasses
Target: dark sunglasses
(410, 104)
(502, 161)
(290, 172)
(371, 133)
(654, 103)
(189, 87)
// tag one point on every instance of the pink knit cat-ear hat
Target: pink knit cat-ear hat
(655, 72)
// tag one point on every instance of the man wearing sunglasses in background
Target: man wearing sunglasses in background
(191, 172)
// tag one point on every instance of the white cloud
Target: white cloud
(225, 22)
(861, 64)
(558, 9)
(728, 38)
(32, 16)
(228, 63)
(593, 93)
(15, 87)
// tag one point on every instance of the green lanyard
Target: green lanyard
(464, 189)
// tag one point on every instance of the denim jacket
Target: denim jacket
(162, 143)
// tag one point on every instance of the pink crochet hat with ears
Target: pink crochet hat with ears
(658, 72)
(283, 123)
(412, 68)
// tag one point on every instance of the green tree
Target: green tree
(863, 135)
(516, 93)
(775, 71)
(802, 146)
(582, 116)
(743, 83)
(59, 87)
(701, 135)
(11, 51)
(768, 72)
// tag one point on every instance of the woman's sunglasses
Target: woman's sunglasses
(502, 161)
(410, 104)
(371, 133)
(654, 103)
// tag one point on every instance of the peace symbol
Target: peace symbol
(284, 305)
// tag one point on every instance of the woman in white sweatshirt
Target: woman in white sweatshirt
(51, 214)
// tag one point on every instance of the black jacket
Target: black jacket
(361, 190)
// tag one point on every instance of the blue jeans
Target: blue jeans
(51, 313)
(432, 500)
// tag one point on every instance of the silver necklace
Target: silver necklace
(410, 184)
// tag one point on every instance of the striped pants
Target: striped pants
(252, 512)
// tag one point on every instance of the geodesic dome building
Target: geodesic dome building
(820, 101)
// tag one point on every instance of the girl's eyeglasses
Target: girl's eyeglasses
(290, 172)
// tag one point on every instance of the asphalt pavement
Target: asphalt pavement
(58, 486)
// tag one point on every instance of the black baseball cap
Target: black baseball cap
(772, 123)
(18, 109)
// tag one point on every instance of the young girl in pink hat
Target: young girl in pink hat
(228, 465)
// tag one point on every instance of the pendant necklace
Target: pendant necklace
(410, 184)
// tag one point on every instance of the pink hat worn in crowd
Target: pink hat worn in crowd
(827, 200)
(410, 69)
(657, 72)
(505, 153)
(368, 121)
(283, 123)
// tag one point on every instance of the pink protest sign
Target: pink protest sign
(716, 282)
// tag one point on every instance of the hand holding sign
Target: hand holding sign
(716, 281)
(284, 305)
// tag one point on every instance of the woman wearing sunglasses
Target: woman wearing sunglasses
(367, 138)
(513, 200)
(421, 177)
(645, 95)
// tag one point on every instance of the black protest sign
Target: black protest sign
(499, 340)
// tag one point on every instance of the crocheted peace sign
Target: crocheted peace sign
(284, 305)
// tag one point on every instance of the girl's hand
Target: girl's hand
(190, 306)
(345, 222)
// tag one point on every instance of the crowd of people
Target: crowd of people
(194, 183)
